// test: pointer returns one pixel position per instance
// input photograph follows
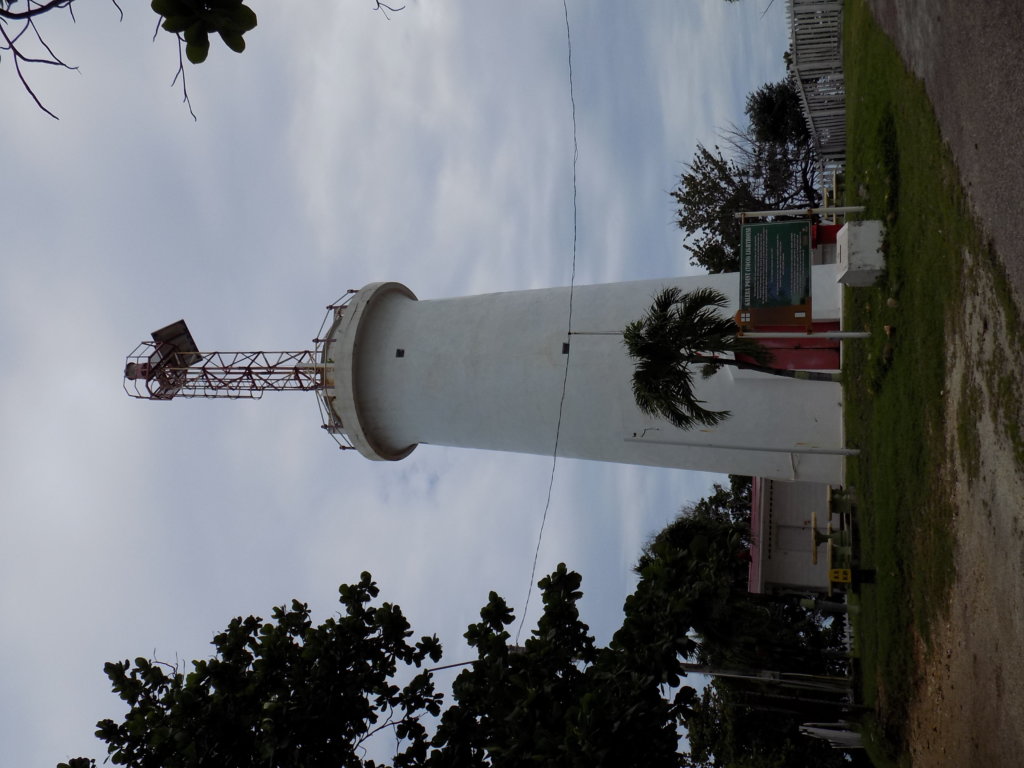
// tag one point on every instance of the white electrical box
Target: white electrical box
(859, 253)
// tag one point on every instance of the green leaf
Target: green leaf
(177, 24)
(196, 52)
(196, 34)
(166, 7)
(244, 17)
(233, 40)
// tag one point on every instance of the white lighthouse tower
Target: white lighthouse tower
(518, 371)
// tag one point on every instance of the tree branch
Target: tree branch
(389, 723)
(13, 40)
(385, 8)
(32, 12)
(11, 44)
(181, 74)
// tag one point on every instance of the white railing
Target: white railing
(816, 66)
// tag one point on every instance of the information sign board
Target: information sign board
(775, 274)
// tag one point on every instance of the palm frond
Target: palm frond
(673, 399)
(680, 329)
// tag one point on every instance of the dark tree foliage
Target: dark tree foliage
(280, 693)
(195, 20)
(190, 21)
(735, 727)
(711, 191)
(23, 36)
(705, 551)
(559, 700)
(286, 693)
(770, 164)
(289, 694)
(700, 528)
(698, 566)
(775, 114)
(731, 504)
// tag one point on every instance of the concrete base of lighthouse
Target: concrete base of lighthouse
(500, 372)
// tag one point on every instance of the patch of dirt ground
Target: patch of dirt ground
(969, 709)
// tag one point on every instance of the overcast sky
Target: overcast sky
(434, 148)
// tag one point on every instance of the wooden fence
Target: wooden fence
(816, 66)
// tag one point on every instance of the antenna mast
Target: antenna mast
(171, 366)
(154, 373)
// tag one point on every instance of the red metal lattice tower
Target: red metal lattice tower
(154, 372)
(171, 366)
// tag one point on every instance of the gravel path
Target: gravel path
(970, 55)
(970, 706)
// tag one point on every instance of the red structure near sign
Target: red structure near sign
(810, 354)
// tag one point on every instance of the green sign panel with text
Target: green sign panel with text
(775, 274)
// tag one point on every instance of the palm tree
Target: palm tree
(681, 330)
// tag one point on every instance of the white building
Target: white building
(785, 554)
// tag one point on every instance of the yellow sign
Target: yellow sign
(840, 576)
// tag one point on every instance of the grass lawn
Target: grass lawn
(898, 166)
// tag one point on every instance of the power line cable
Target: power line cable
(572, 286)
